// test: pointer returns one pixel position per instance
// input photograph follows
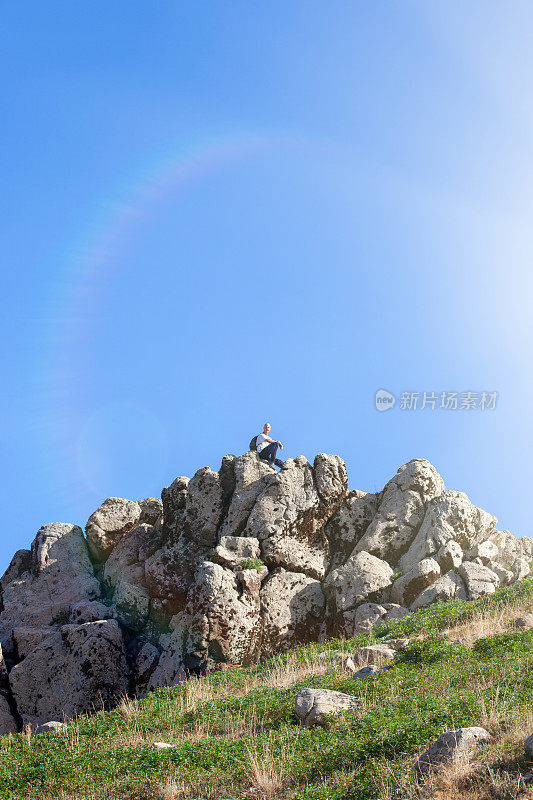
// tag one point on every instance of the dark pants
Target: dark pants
(268, 453)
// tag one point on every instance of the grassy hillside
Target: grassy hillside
(235, 733)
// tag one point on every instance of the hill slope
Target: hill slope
(234, 733)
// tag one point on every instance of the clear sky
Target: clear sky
(216, 213)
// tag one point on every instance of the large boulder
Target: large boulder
(232, 550)
(108, 524)
(479, 580)
(40, 588)
(174, 498)
(203, 507)
(348, 525)
(313, 707)
(448, 747)
(74, 670)
(251, 475)
(292, 609)
(8, 723)
(362, 578)
(447, 587)
(449, 517)
(408, 586)
(401, 510)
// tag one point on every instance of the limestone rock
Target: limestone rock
(449, 556)
(449, 517)
(151, 511)
(408, 586)
(520, 569)
(447, 587)
(58, 575)
(27, 638)
(349, 524)
(313, 706)
(366, 616)
(292, 608)
(330, 477)
(363, 577)
(231, 550)
(90, 611)
(295, 556)
(505, 576)
(173, 499)
(108, 524)
(479, 580)
(72, 671)
(373, 654)
(401, 510)
(448, 747)
(203, 507)
(252, 475)
(145, 665)
(486, 551)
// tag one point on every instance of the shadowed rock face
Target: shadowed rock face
(228, 568)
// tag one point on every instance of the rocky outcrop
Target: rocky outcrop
(228, 568)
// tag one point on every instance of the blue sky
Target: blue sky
(217, 213)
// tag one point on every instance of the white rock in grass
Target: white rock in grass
(448, 747)
(163, 746)
(50, 727)
(372, 654)
(313, 706)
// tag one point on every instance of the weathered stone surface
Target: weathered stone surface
(447, 587)
(170, 572)
(366, 616)
(145, 665)
(401, 510)
(448, 747)
(373, 654)
(449, 517)
(174, 498)
(70, 672)
(292, 608)
(408, 586)
(314, 706)
(59, 575)
(231, 550)
(528, 746)
(222, 619)
(449, 556)
(108, 524)
(363, 577)
(505, 576)
(151, 511)
(27, 638)
(486, 551)
(349, 524)
(520, 569)
(295, 556)
(330, 478)
(478, 580)
(252, 475)
(7, 720)
(203, 507)
(90, 611)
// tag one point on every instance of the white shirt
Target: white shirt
(261, 443)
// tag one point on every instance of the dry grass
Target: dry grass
(486, 624)
(269, 774)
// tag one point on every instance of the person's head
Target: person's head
(266, 427)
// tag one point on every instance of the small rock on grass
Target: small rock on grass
(524, 623)
(163, 746)
(49, 727)
(313, 706)
(448, 746)
(365, 672)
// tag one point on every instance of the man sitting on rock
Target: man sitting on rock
(267, 447)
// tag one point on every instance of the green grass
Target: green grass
(224, 724)
(251, 563)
